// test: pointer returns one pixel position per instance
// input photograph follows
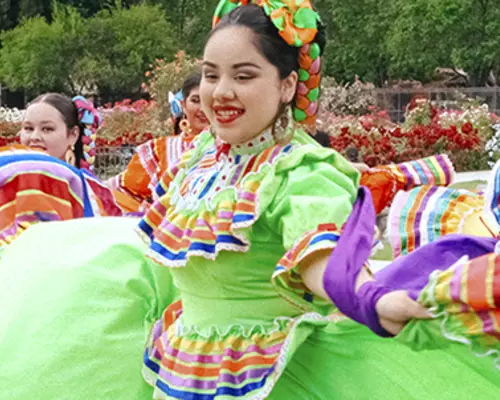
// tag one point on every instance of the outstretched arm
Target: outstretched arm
(394, 309)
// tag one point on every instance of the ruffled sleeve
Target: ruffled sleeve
(141, 175)
(314, 200)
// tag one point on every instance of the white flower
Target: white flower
(11, 114)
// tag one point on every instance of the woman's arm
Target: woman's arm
(394, 309)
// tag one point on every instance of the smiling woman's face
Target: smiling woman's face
(44, 129)
(193, 112)
(241, 91)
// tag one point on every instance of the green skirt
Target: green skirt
(77, 302)
(79, 298)
(346, 361)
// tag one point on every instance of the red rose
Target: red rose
(467, 128)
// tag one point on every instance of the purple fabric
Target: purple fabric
(446, 168)
(134, 214)
(345, 263)
(411, 272)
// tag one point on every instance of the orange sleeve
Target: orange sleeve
(383, 185)
(135, 179)
(126, 202)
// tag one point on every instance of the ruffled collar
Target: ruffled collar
(253, 146)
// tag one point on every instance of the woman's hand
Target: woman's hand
(395, 309)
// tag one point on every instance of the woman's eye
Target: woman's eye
(210, 77)
(243, 77)
(47, 129)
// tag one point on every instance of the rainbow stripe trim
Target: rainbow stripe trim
(203, 208)
(241, 363)
(426, 213)
(435, 170)
(286, 278)
(35, 187)
(466, 297)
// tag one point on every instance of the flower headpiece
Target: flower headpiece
(297, 24)
(89, 119)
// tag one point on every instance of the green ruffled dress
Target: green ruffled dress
(233, 224)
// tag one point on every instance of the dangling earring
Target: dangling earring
(70, 157)
(283, 127)
(185, 127)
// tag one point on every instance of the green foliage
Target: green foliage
(121, 44)
(357, 30)
(107, 53)
(192, 21)
(374, 40)
(479, 35)
(39, 56)
(427, 34)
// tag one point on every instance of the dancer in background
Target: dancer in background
(385, 181)
(154, 157)
(47, 178)
(427, 213)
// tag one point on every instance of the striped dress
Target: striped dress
(386, 181)
(135, 186)
(425, 214)
(35, 187)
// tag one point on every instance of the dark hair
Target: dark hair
(279, 53)
(352, 154)
(191, 82)
(68, 111)
(322, 138)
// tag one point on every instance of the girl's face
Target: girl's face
(192, 110)
(44, 128)
(241, 91)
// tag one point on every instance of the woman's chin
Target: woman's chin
(236, 132)
(228, 135)
(200, 128)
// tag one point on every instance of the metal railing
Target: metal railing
(110, 161)
(395, 100)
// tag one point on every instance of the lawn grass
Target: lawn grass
(385, 254)
(472, 185)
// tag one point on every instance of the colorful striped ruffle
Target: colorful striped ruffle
(384, 182)
(286, 278)
(435, 170)
(240, 363)
(424, 214)
(204, 209)
(145, 169)
(466, 298)
(35, 187)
